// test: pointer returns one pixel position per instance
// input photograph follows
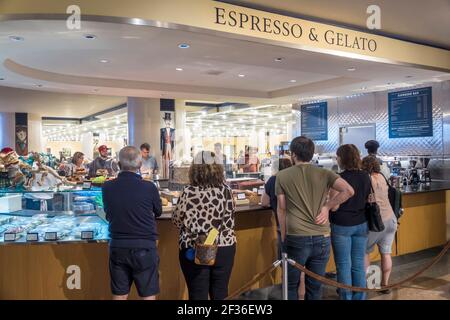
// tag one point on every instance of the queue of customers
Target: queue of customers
(316, 209)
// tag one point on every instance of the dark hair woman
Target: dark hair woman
(206, 203)
(349, 228)
(385, 238)
(269, 198)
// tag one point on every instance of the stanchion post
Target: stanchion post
(284, 281)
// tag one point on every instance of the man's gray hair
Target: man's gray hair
(130, 159)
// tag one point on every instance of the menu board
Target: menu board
(314, 122)
(410, 113)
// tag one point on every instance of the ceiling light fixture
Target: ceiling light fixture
(183, 46)
(241, 75)
(179, 69)
(104, 60)
(278, 59)
(16, 38)
(351, 69)
(38, 85)
(293, 81)
(90, 36)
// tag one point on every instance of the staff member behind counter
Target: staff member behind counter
(149, 164)
(103, 162)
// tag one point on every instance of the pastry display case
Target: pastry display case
(73, 215)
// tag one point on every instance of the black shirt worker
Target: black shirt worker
(131, 205)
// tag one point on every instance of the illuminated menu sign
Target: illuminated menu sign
(314, 123)
(410, 113)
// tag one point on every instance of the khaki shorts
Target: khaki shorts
(383, 239)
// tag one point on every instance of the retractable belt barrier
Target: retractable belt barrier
(336, 284)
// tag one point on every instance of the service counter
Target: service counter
(51, 270)
(79, 270)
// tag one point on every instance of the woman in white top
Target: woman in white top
(385, 238)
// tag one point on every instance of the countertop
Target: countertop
(436, 185)
(239, 209)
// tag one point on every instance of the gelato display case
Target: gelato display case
(52, 216)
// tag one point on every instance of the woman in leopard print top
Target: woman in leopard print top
(206, 203)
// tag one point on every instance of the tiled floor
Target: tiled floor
(434, 284)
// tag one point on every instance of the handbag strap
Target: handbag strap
(372, 191)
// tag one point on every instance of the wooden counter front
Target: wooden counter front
(39, 271)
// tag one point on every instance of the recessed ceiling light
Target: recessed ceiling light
(278, 59)
(90, 36)
(16, 38)
(351, 69)
(293, 81)
(183, 46)
(179, 69)
(241, 75)
(104, 60)
(38, 85)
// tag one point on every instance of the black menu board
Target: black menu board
(410, 113)
(314, 122)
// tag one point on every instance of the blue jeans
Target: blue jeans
(349, 248)
(313, 252)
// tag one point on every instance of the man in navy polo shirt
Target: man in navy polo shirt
(131, 205)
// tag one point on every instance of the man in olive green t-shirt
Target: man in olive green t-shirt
(303, 209)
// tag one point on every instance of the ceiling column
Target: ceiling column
(182, 135)
(35, 133)
(7, 123)
(144, 124)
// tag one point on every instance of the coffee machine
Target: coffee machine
(424, 175)
(412, 177)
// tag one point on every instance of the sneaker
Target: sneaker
(387, 291)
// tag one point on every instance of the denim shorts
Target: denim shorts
(383, 239)
(127, 265)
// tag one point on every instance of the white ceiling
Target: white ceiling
(142, 62)
(54, 104)
(422, 21)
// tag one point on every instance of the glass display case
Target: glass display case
(74, 215)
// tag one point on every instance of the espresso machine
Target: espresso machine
(424, 175)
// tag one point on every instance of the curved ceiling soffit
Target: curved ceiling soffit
(120, 84)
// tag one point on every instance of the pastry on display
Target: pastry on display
(164, 202)
(102, 172)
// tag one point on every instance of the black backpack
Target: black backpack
(395, 199)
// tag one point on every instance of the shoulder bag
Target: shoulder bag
(374, 220)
